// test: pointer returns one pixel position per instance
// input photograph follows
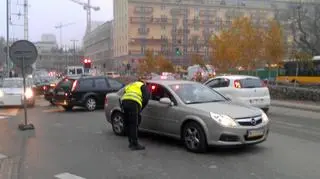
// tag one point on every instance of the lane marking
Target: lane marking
(9, 112)
(2, 156)
(67, 176)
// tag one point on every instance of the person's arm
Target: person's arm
(145, 96)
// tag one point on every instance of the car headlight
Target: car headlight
(29, 93)
(264, 116)
(1, 93)
(223, 120)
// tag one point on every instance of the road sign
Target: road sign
(23, 53)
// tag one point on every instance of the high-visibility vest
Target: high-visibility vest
(133, 92)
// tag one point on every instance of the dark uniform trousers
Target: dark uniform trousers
(132, 120)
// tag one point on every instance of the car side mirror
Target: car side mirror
(166, 101)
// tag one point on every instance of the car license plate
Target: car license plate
(255, 133)
(255, 101)
(60, 93)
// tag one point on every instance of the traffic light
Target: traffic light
(87, 63)
(178, 52)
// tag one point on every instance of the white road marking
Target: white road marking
(9, 112)
(2, 156)
(67, 176)
(4, 117)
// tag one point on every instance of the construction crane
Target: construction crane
(87, 7)
(60, 26)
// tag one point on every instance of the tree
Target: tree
(248, 41)
(198, 60)
(274, 45)
(305, 25)
(147, 64)
(240, 45)
(163, 65)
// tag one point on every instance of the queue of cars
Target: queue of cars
(198, 114)
(224, 111)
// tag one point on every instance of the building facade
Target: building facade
(168, 26)
(50, 57)
(98, 46)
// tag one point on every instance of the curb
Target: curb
(297, 106)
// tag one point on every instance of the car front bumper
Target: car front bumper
(238, 136)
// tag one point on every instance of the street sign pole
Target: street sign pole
(24, 96)
(23, 54)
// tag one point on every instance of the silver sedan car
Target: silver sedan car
(195, 114)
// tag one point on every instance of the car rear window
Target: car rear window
(251, 83)
(66, 84)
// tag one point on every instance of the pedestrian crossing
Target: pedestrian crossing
(7, 113)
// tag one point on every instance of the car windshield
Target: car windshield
(15, 83)
(196, 93)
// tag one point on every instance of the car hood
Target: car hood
(232, 109)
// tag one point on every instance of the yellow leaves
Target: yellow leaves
(198, 60)
(244, 44)
(163, 65)
(151, 63)
(274, 49)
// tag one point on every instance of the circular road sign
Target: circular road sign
(23, 50)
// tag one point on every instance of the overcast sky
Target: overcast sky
(45, 14)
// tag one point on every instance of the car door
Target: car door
(163, 115)
(148, 120)
(101, 88)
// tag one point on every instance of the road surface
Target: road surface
(81, 145)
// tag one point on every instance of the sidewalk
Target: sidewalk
(302, 105)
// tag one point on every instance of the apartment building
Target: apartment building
(171, 26)
(98, 46)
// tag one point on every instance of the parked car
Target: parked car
(194, 113)
(84, 91)
(12, 92)
(247, 89)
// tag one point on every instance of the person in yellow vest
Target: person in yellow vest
(134, 100)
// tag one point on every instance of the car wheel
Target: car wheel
(117, 121)
(91, 104)
(194, 137)
(67, 108)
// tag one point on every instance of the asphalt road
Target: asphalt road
(81, 145)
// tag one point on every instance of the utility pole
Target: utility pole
(7, 49)
(74, 50)
(26, 20)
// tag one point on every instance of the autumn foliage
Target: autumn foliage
(247, 45)
(154, 64)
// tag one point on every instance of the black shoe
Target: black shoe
(137, 147)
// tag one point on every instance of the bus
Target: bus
(300, 72)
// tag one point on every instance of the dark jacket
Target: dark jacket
(145, 96)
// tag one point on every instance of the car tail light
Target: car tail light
(106, 100)
(74, 85)
(237, 84)
(44, 87)
(264, 83)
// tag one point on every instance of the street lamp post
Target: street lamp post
(7, 49)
